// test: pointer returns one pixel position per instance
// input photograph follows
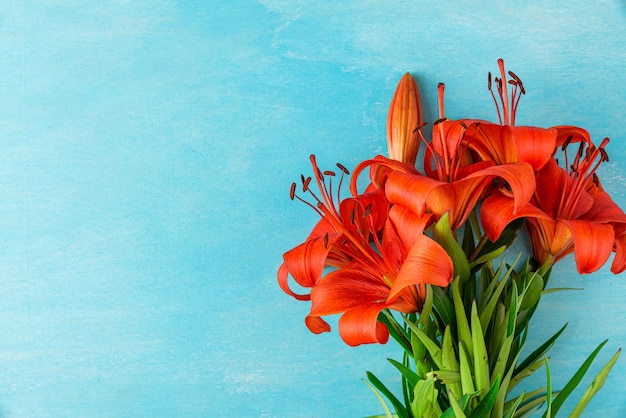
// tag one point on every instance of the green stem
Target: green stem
(483, 241)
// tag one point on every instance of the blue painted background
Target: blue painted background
(146, 153)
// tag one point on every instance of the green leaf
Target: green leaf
(549, 402)
(428, 305)
(430, 345)
(527, 398)
(397, 405)
(388, 413)
(443, 306)
(505, 389)
(467, 381)
(481, 360)
(595, 386)
(560, 289)
(484, 407)
(395, 330)
(425, 401)
(575, 380)
(442, 233)
(532, 292)
(463, 328)
(407, 373)
(488, 257)
(538, 353)
(503, 357)
(523, 374)
(487, 313)
(509, 413)
(457, 410)
(530, 405)
(510, 329)
(450, 362)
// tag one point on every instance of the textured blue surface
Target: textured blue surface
(146, 153)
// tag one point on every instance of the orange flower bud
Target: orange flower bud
(405, 116)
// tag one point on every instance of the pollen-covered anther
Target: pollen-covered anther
(292, 192)
(604, 156)
(518, 82)
(595, 179)
(343, 168)
(305, 183)
(601, 148)
(567, 141)
(420, 127)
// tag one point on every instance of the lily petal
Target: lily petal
(316, 325)
(571, 134)
(497, 211)
(345, 289)
(533, 145)
(593, 243)
(306, 262)
(410, 190)
(619, 261)
(520, 178)
(361, 326)
(604, 209)
(426, 263)
(407, 226)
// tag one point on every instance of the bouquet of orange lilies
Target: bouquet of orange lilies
(419, 254)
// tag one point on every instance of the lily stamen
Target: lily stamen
(583, 172)
(509, 109)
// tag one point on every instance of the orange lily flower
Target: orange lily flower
(452, 183)
(403, 120)
(569, 213)
(377, 267)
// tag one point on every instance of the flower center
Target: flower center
(582, 170)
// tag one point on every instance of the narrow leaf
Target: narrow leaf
(456, 408)
(431, 346)
(407, 373)
(400, 409)
(388, 413)
(484, 407)
(595, 386)
(443, 306)
(488, 257)
(467, 381)
(450, 362)
(509, 413)
(575, 380)
(425, 402)
(548, 413)
(463, 328)
(486, 314)
(481, 360)
(539, 352)
(442, 233)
